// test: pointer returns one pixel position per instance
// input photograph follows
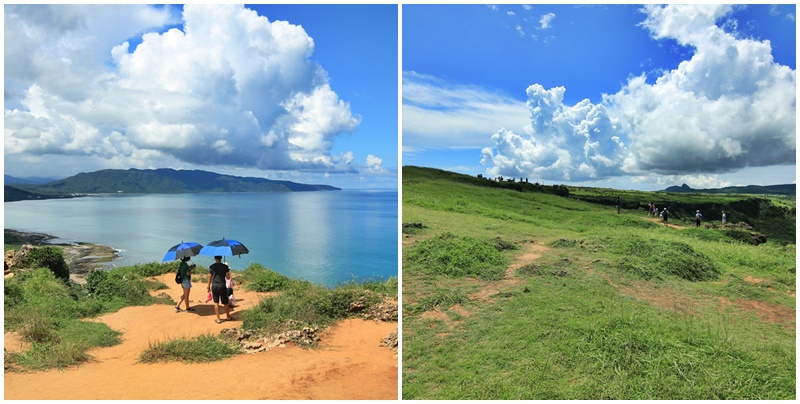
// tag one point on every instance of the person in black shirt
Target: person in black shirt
(217, 273)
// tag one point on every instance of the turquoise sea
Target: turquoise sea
(323, 237)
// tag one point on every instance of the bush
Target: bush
(121, 284)
(257, 277)
(450, 255)
(155, 268)
(48, 257)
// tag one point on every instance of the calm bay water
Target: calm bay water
(322, 237)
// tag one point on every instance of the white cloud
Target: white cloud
(437, 114)
(375, 165)
(545, 21)
(231, 88)
(526, 7)
(510, 13)
(519, 30)
(572, 143)
(728, 107)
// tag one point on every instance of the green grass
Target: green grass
(616, 307)
(259, 278)
(205, 348)
(303, 304)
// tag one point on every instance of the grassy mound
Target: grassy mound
(451, 255)
(652, 258)
(205, 348)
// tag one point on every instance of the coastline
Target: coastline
(82, 258)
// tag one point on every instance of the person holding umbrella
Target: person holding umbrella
(217, 274)
(186, 283)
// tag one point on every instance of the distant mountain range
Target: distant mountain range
(160, 181)
(785, 189)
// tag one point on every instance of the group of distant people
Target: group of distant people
(652, 210)
(220, 287)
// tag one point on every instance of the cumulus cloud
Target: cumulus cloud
(230, 88)
(437, 114)
(572, 143)
(375, 165)
(728, 107)
(545, 21)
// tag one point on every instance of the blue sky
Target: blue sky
(620, 95)
(307, 94)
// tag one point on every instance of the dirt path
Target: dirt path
(531, 253)
(661, 222)
(349, 364)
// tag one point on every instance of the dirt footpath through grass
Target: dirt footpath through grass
(348, 364)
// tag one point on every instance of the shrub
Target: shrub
(258, 278)
(450, 255)
(155, 268)
(48, 257)
(119, 284)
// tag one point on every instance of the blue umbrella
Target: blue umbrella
(181, 250)
(224, 247)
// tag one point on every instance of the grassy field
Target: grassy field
(531, 295)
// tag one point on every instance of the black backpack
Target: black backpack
(178, 278)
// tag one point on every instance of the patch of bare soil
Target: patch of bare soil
(12, 342)
(349, 362)
(769, 312)
(667, 298)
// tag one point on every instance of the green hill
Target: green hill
(533, 295)
(168, 181)
(783, 189)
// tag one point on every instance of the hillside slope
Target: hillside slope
(528, 295)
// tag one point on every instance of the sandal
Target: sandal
(218, 321)
(178, 310)
(190, 309)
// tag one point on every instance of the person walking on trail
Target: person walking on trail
(697, 219)
(186, 284)
(724, 217)
(217, 274)
(617, 205)
(665, 215)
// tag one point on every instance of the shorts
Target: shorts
(219, 294)
(186, 284)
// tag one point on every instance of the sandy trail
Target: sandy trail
(349, 364)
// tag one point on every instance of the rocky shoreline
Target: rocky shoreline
(82, 258)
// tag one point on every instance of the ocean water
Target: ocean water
(323, 237)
